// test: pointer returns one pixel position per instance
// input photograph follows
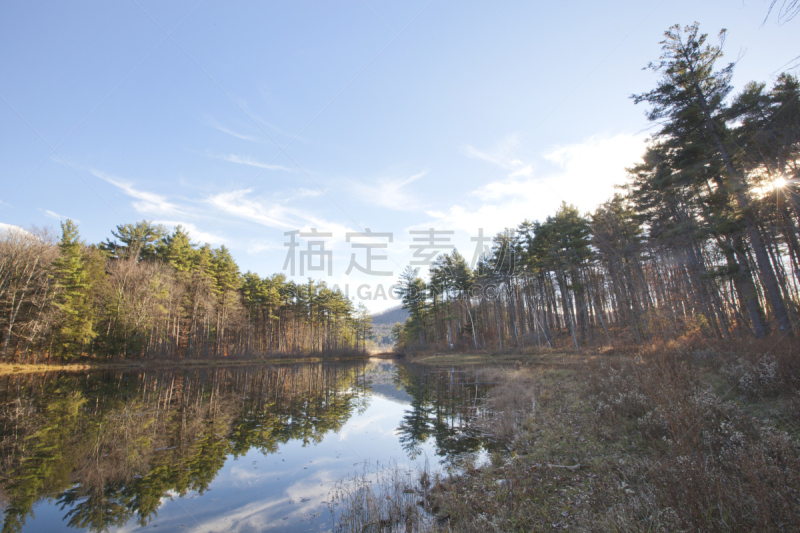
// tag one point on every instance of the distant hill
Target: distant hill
(390, 316)
(382, 324)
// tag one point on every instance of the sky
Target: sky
(244, 122)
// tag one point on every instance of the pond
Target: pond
(221, 449)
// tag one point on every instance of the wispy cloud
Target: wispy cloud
(238, 135)
(238, 204)
(521, 169)
(582, 173)
(389, 193)
(194, 232)
(271, 213)
(147, 202)
(500, 156)
(56, 216)
(247, 160)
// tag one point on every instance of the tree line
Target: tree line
(702, 239)
(150, 293)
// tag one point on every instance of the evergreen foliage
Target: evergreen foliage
(157, 294)
(704, 239)
(73, 295)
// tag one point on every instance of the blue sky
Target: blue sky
(244, 121)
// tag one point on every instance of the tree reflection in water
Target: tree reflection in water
(445, 405)
(109, 447)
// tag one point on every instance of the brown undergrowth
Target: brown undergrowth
(683, 436)
(82, 364)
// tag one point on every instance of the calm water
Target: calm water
(222, 449)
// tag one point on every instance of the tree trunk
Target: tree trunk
(756, 243)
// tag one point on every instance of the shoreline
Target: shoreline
(603, 446)
(484, 359)
(553, 359)
(94, 366)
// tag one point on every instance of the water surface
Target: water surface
(219, 449)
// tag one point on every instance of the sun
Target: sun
(779, 183)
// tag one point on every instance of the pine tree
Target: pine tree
(413, 293)
(140, 240)
(226, 284)
(72, 299)
(177, 250)
(691, 93)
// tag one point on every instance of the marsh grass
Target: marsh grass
(698, 461)
(381, 498)
(683, 435)
(507, 407)
(83, 364)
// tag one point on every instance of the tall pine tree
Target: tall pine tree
(73, 296)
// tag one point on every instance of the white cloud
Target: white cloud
(223, 129)
(522, 169)
(10, 228)
(196, 234)
(249, 517)
(589, 170)
(499, 153)
(300, 499)
(54, 215)
(148, 203)
(389, 193)
(500, 156)
(302, 193)
(273, 214)
(583, 174)
(238, 204)
(249, 161)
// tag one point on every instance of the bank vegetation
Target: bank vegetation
(702, 239)
(156, 295)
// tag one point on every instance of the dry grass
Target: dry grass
(20, 368)
(678, 436)
(546, 358)
(94, 364)
(507, 408)
(696, 461)
(386, 498)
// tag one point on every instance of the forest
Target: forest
(150, 293)
(701, 240)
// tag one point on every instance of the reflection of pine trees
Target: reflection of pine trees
(443, 407)
(415, 427)
(45, 465)
(109, 447)
(96, 509)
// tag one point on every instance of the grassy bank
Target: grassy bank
(544, 358)
(680, 437)
(83, 364)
